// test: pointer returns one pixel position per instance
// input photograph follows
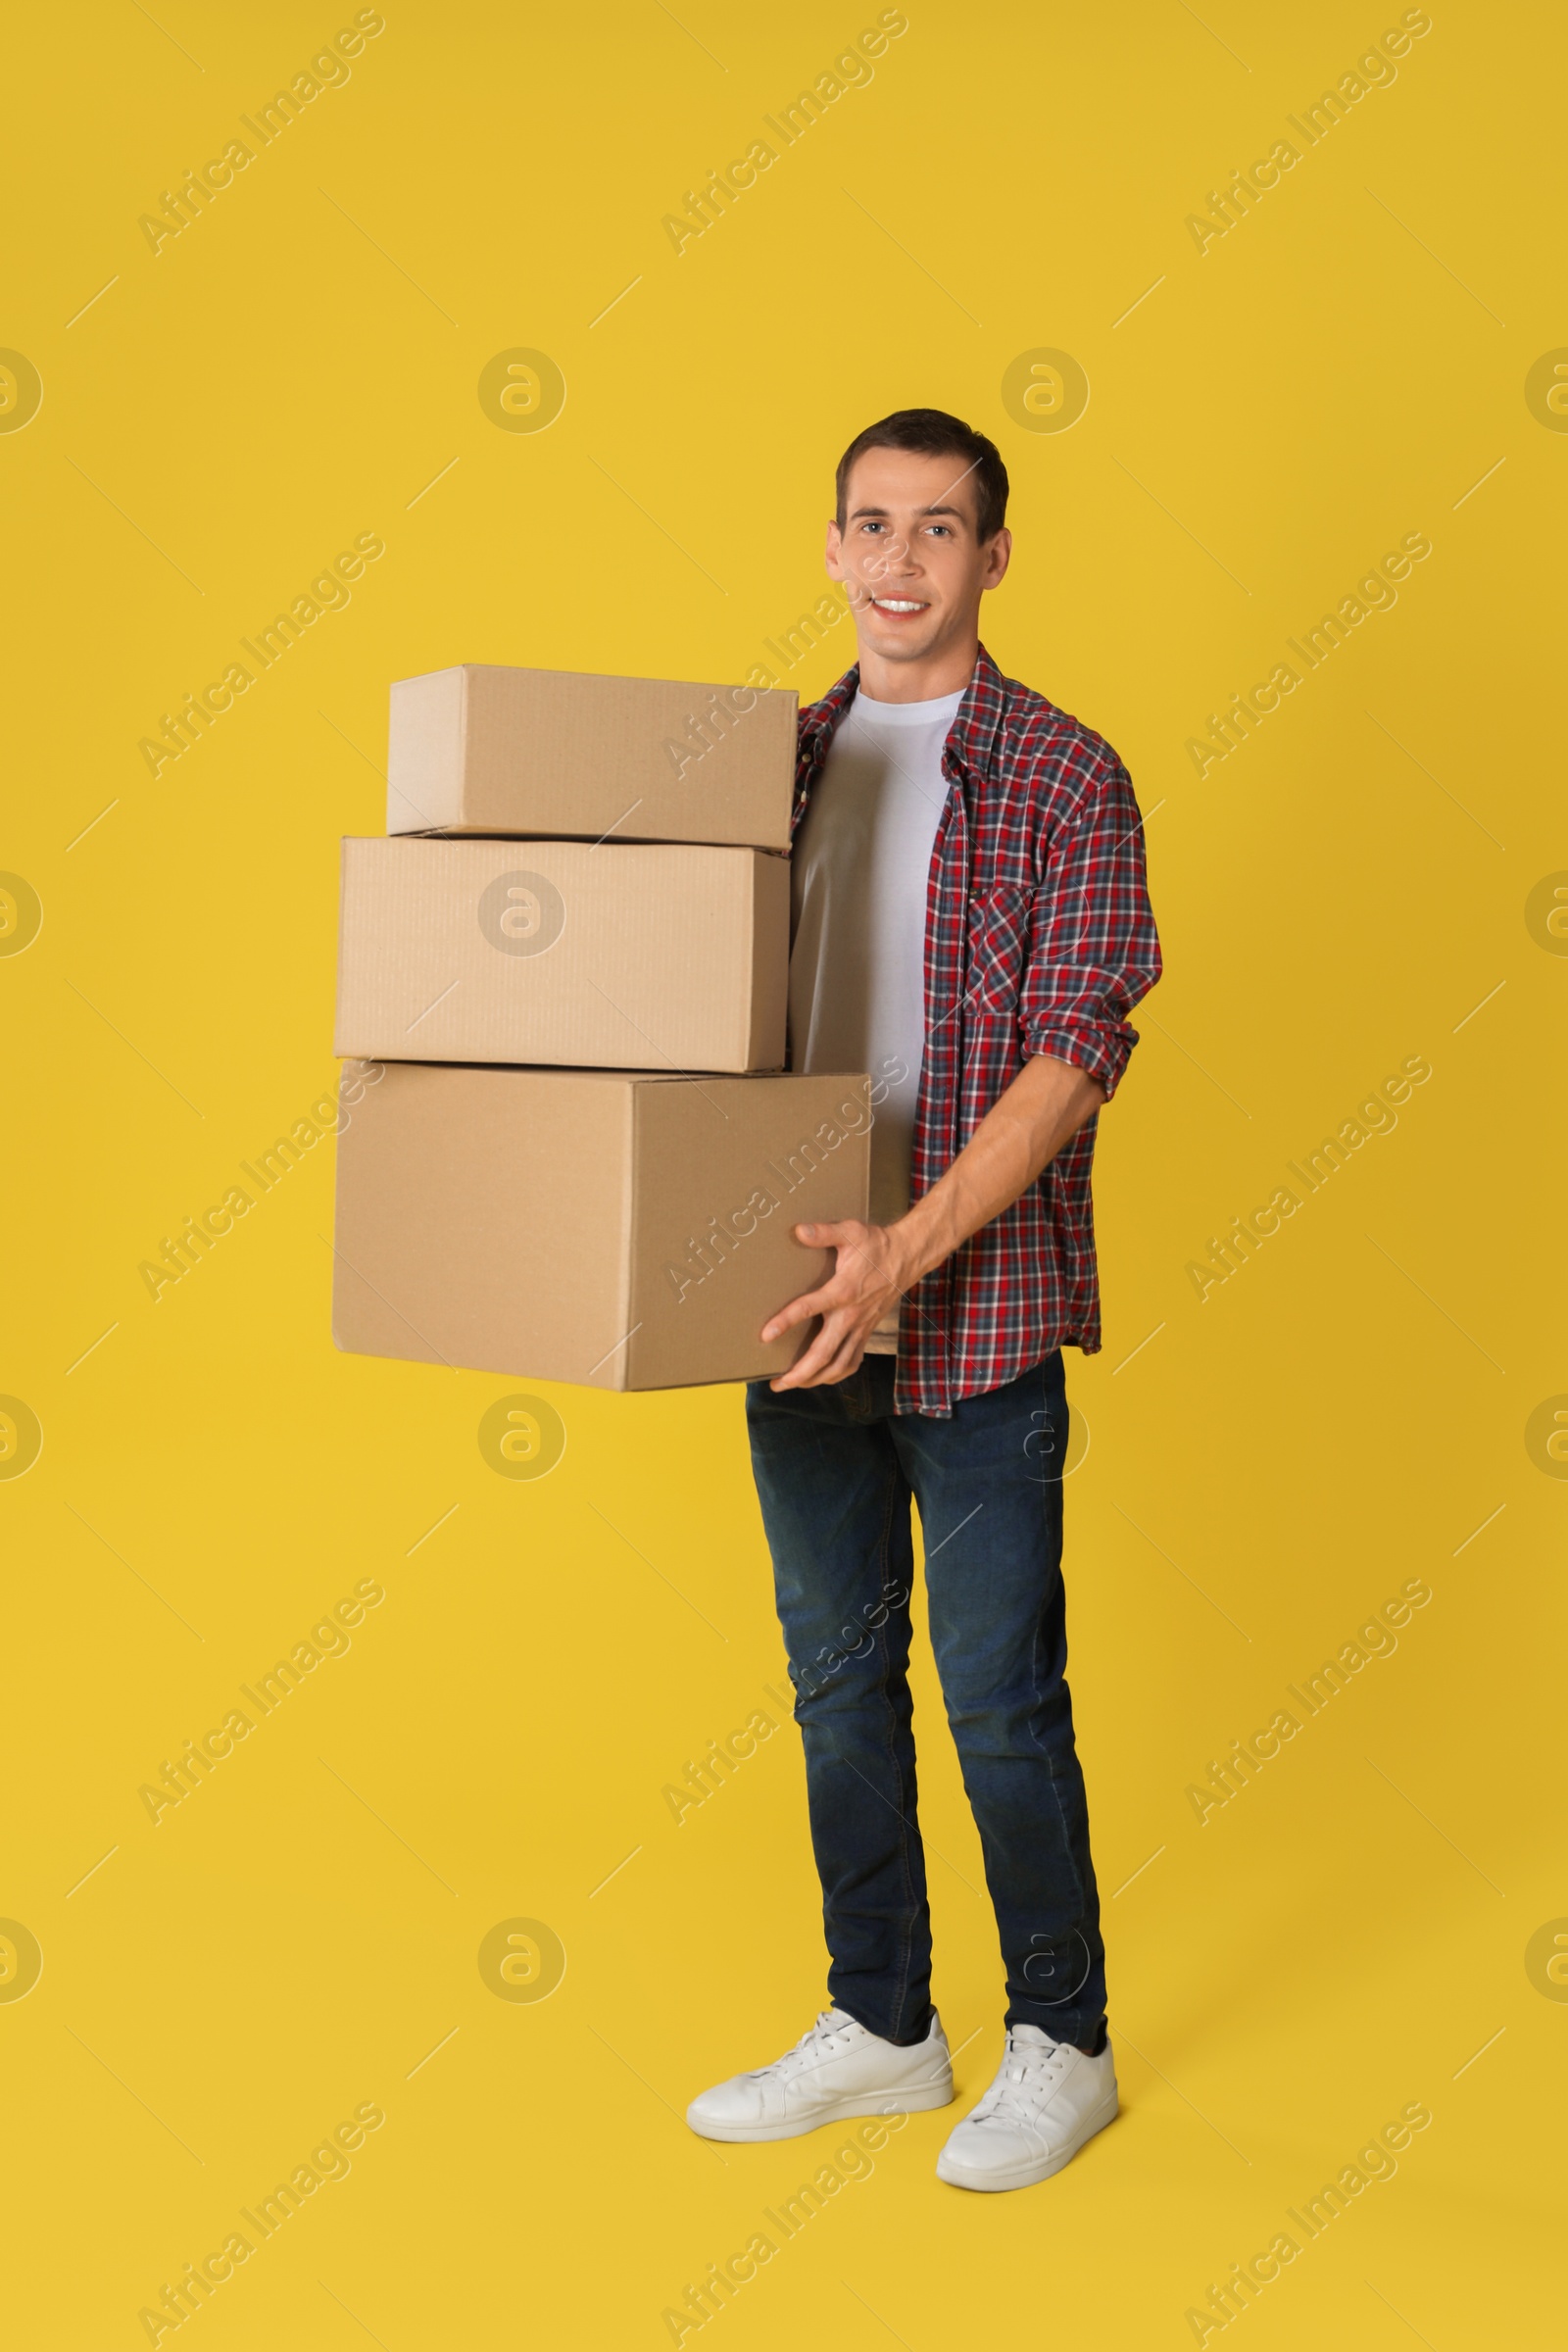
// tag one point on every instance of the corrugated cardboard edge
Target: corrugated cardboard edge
(460, 765)
(631, 1261)
(628, 1239)
(766, 1046)
(440, 700)
(619, 1366)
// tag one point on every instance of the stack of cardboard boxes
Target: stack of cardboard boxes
(583, 1161)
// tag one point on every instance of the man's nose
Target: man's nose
(896, 555)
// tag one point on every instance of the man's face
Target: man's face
(910, 556)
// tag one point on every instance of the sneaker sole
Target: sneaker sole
(1025, 2175)
(914, 2101)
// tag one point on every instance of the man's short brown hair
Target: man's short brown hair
(933, 433)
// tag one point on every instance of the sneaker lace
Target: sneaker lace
(829, 2033)
(1027, 2078)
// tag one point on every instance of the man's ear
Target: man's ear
(997, 555)
(833, 558)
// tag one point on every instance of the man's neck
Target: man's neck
(927, 680)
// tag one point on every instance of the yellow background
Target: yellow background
(298, 1936)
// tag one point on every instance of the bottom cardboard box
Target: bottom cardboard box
(619, 1229)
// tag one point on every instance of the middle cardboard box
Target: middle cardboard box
(597, 956)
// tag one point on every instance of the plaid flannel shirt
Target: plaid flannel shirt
(1039, 939)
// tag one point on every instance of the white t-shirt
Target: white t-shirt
(859, 870)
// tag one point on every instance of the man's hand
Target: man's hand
(867, 1281)
(1021, 1135)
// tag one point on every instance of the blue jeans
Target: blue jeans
(835, 1471)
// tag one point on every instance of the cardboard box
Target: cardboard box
(617, 1229)
(560, 753)
(621, 957)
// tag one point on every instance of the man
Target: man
(971, 927)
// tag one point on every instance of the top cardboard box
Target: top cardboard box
(557, 754)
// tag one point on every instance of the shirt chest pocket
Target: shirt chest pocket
(999, 941)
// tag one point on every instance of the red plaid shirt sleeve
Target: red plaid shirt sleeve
(1093, 952)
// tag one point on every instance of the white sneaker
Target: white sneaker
(1047, 2100)
(836, 2069)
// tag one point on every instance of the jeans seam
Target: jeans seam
(906, 1933)
(1080, 1892)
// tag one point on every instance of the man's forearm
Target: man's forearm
(1042, 1110)
(875, 1265)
